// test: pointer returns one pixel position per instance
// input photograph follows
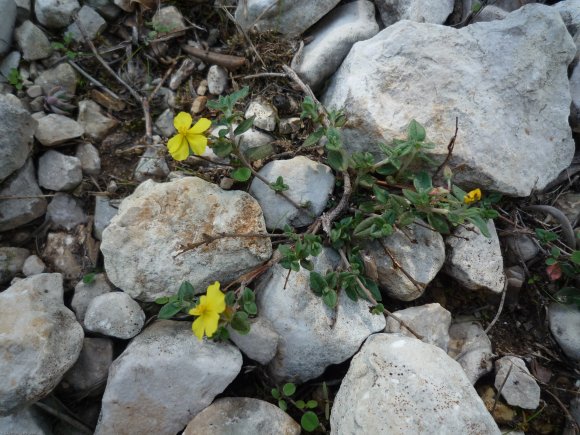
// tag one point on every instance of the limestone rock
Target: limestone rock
(59, 172)
(152, 164)
(265, 115)
(88, 154)
(570, 12)
(92, 23)
(55, 14)
(32, 42)
(11, 262)
(86, 292)
(217, 80)
(104, 212)
(114, 314)
(169, 20)
(520, 388)
(261, 343)
(422, 11)
(29, 421)
(95, 124)
(56, 129)
(62, 75)
(65, 212)
(33, 265)
(564, 323)
(469, 341)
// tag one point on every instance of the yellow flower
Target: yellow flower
(187, 137)
(473, 196)
(208, 311)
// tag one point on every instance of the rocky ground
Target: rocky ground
(96, 217)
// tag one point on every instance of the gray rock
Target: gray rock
(474, 260)
(380, 102)
(55, 14)
(33, 265)
(521, 248)
(29, 421)
(106, 8)
(312, 336)
(168, 20)
(288, 18)
(265, 115)
(242, 415)
(72, 254)
(420, 252)
(88, 154)
(91, 369)
(140, 244)
(289, 125)
(59, 172)
(564, 323)
(334, 36)
(104, 212)
(95, 124)
(34, 91)
(92, 23)
(569, 204)
(155, 403)
(490, 13)
(32, 42)
(56, 130)
(17, 212)
(520, 389)
(255, 144)
(41, 340)
(183, 72)
(65, 212)
(10, 62)
(570, 12)
(469, 341)
(217, 80)
(152, 164)
(432, 321)
(7, 21)
(164, 123)
(86, 292)
(260, 344)
(407, 369)
(16, 146)
(11, 262)
(62, 75)
(422, 11)
(114, 314)
(308, 181)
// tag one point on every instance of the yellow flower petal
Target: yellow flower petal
(200, 126)
(178, 148)
(473, 196)
(198, 327)
(210, 320)
(197, 142)
(182, 122)
(216, 300)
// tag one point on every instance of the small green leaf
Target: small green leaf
(279, 185)
(169, 310)
(550, 261)
(248, 295)
(230, 298)
(313, 138)
(239, 95)
(241, 174)
(438, 223)
(251, 308)
(89, 278)
(307, 264)
(422, 182)
(275, 393)
(162, 300)
(330, 298)
(244, 126)
(575, 257)
(222, 147)
(337, 160)
(378, 309)
(289, 389)
(300, 404)
(416, 132)
(317, 283)
(309, 421)
(282, 405)
(240, 322)
(185, 292)
(480, 224)
(555, 252)
(311, 404)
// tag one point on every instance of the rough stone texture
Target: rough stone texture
(114, 314)
(55, 14)
(490, 13)
(217, 80)
(520, 389)
(521, 248)
(95, 124)
(59, 172)
(17, 212)
(169, 20)
(334, 36)
(380, 392)
(152, 164)
(65, 212)
(177, 366)
(432, 321)
(422, 11)
(164, 123)
(469, 340)
(93, 24)
(23, 10)
(265, 115)
(88, 154)
(32, 42)
(140, 244)
(504, 125)
(62, 75)
(11, 262)
(242, 415)
(7, 21)
(9, 62)
(474, 260)
(289, 18)
(86, 292)
(260, 344)
(56, 129)
(40, 340)
(312, 336)
(16, 146)
(420, 251)
(564, 323)
(308, 181)
(29, 421)
(104, 212)
(33, 265)
(570, 12)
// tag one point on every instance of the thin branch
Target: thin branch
(227, 61)
(569, 417)
(500, 308)
(567, 230)
(400, 267)
(261, 75)
(243, 32)
(207, 239)
(501, 387)
(450, 147)
(93, 80)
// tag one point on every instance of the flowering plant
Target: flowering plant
(188, 137)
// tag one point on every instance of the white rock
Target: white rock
(397, 384)
(88, 154)
(56, 129)
(55, 14)
(469, 341)
(432, 321)
(564, 323)
(183, 375)
(570, 12)
(40, 339)
(242, 415)
(92, 23)
(442, 65)
(289, 18)
(32, 42)
(312, 336)
(260, 344)
(65, 212)
(95, 124)
(86, 292)
(140, 244)
(474, 260)
(11, 262)
(29, 421)
(217, 80)
(59, 172)
(520, 389)
(308, 181)
(422, 11)
(104, 212)
(420, 251)
(265, 115)
(114, 314)
(490, 13)
(33, 265)
(164, 123)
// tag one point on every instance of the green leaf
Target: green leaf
(169, 310)
(416, 132)
(568, 295)
(575, 257)
(230, 298)
(422, 182)
(334, 142)
(244, 126)
(275, 393)
(239, 95)
(248, 295)
(222, 147)
(378, 309)
(546, 236)
(307, 264)
(480, 224)
(330, 298)
(311, 404)
(242, 174)
(89, 278)
(309, 421)
(367, 226)
(282, 405)
(162, 300)
(381, 195)
(185, 292)
(438, 223)
(279, 185)
(458, 193)
(251, 308)
(555, 252)
(289, 389)
(550, 261)
(407, 218)
(240, 322)
(313, 138)
(300, 404)
(414, 197)
(337, 161)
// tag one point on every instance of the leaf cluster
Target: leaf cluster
(15, 79)
(309, 420)
(298, 254)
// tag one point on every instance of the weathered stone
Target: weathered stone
(56, 129)
(104, 212)
(33, 265)
(520, 388)
(183, 72)
(59, 172)
(422, 11)
(114, 314)
(155, 403)
(217, 80)
(152, 164)
(95, 124)
(490, 13)
(570, 12)
(164, 123)
(86, 292)
(55, 14)
(496, 63)
(140, 244)
(62, 75)
(7, 21)
(169, 20)
(93, 24)
(40, 340)
(29, 421)
(521, 248)
(260, 344)
(265, 115)
(65, 212)
(11, 61)
(469, 341)
(32, 42)
(564, 323)
(242, 415)
(106, 8)
(88, 154)
(11, 262)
